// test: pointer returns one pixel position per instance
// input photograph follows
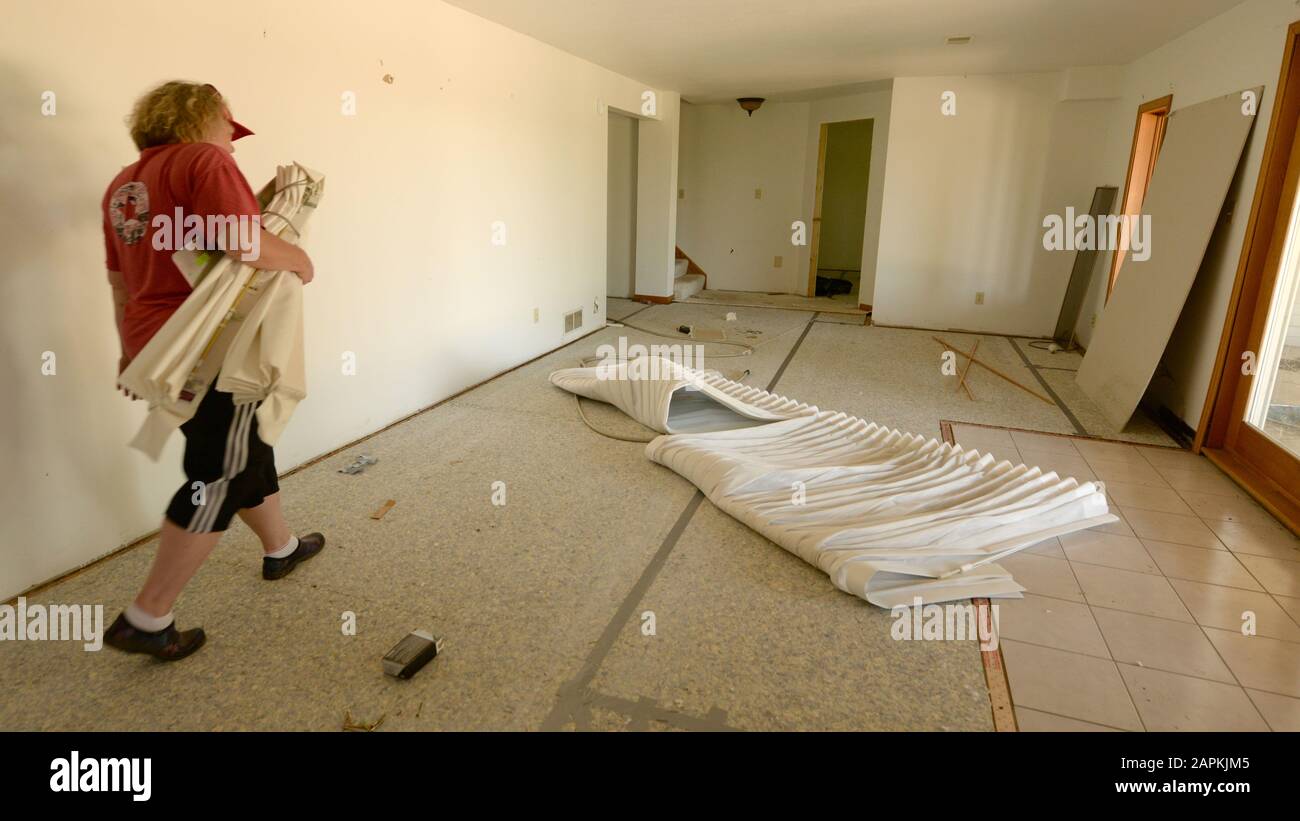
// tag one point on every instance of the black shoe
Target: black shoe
(308, 546)
(169, 644)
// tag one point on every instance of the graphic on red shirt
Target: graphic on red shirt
(200, 179)
(131, 227)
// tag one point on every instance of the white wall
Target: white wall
(726, 155)
(620, 241)
(480, 124)
(965, 197)
(1239, 49)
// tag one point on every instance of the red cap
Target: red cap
(240, 130)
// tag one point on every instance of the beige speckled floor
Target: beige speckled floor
(543, 602)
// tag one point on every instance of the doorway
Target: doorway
(840, 211)
(1148, 136)
(1251, 423)
(620, 216)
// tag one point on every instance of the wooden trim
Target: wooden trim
(818, 190)
(1087, 436)
(995, 668)
(1271, 496)
(653, 299)
(862, 307)
(1162, 105)
(1217, 411)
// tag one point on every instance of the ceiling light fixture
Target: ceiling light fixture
(750, 104)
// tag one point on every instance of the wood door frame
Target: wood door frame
(816, 238)
(1160, 106)
(1256, 272)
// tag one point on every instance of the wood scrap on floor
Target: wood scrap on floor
(359, 727)
(387, 506)
(949, 347)
(961, 381)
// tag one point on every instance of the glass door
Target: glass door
(1252, 424)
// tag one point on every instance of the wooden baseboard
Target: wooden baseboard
(1273, 498)
(653, 300)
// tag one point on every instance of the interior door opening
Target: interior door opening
(1148, 135)
(840, 211)
(620, 216)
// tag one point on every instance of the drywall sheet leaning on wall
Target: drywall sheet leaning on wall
(889, 516)
(1201, 149)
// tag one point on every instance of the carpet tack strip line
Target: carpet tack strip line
(575, 696)
(1087, 436)
(995, 668)
(1068, 415)
(609, 318)
(800, 308)
(781, 370)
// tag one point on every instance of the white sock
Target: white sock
(141, 620)
(285, 551)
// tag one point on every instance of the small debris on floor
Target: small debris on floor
(357, 727)
(359, 464)
(731, 316)
(387, 506)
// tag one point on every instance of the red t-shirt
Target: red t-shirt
(201, 179)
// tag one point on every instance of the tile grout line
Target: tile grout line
(1072, 718)
(1236, 679)
(1137, 667)
(569, 701)
(1110, 653)
(1041, 381)
(1193, 622)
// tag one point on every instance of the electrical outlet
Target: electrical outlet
(681, 193)
(1092, 323)
(979, 297)
(536, 316)
(758, 193)
(776, 262)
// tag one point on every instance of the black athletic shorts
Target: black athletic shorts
(227, 465)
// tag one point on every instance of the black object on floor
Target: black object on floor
(828, 286)
(416, 649)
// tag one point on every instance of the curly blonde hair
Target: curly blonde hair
(174, 112)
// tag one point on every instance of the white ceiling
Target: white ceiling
(721, 49)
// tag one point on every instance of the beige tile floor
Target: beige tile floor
(1139, 624)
